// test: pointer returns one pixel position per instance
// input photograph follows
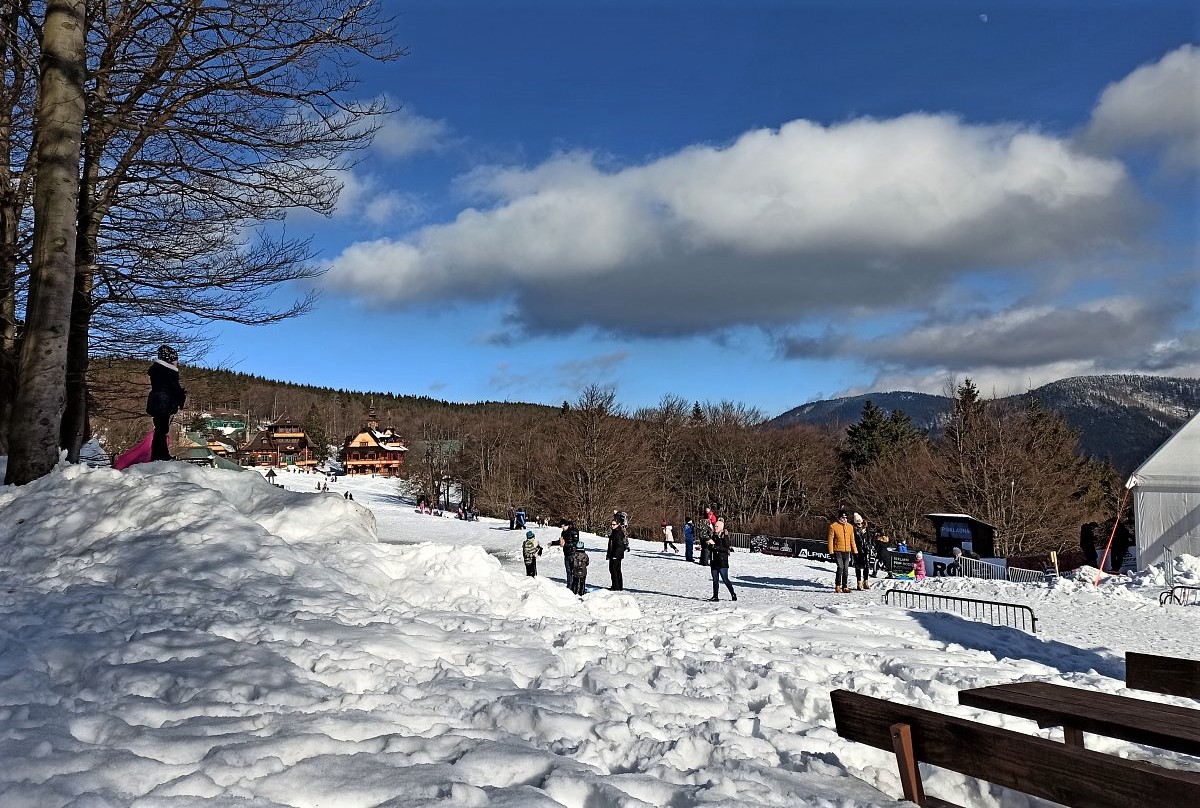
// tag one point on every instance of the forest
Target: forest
(1015, 465)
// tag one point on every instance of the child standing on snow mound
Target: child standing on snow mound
(579, 565)
(530, 550)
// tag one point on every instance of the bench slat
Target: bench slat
(1159, 674)
(1037, 766)
(1166, 726)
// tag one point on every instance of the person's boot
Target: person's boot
(866, 584)
(732, 594)
(714, 598)
(837, 589)
(858, 586)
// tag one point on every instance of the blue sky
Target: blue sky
(764, 202)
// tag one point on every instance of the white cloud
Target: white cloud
(779, 225)
(1158, 106)
(404, 133)
(1022, 347)
(364, 196)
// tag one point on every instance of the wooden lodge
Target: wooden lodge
(282, 444)
(373, 451)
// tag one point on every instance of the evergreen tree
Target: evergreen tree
(876, 436)
(314, 428)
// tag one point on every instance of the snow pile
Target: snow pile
(173, 635)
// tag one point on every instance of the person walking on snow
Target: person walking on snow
(689, 539)
(668, 538)
(721, 547)
(165, 398)
(860, 553)
(617, 545)
(841, 547)
(530, 550)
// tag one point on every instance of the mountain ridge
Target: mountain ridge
(1122, 417)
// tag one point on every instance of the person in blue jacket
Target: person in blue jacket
(689, 538)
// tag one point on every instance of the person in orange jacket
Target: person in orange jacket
(842, 547)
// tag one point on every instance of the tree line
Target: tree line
(1009, 462)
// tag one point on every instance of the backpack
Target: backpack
(579, 564)
(530, 550)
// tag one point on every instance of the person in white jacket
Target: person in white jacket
(668, 538)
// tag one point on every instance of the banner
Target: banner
(797, 548)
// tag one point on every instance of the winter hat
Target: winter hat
(168, 354)
(919, 554)
(664, 524)
(858, 520)
(529, 534)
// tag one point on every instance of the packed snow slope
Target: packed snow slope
(177, 636)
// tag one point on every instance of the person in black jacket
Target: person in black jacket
(720, 546)
(568, 540)
(165, 398)
(617, 545)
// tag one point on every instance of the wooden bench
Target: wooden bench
(1078, 711)
(1065, 774)
(1159, 674)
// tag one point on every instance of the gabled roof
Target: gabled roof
(379, 440)
(1175, 464)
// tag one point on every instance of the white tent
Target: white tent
(1166, 498)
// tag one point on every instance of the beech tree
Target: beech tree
(203, 121)
(1018, 469)
(40, 393)
(598, 466)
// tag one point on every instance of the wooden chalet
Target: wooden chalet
(282, 444)
(372, 451)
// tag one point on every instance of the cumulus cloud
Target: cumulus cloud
(366, 196)
(1033, 335)
(1023, 346)
(779, 225)
(1156, 106)
(404, 133)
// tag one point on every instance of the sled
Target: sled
(139, 453)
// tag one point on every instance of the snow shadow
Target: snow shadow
(1010, 643)
(785, 584)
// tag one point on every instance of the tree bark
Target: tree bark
(38, 408)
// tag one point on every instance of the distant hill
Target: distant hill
(1121, 417)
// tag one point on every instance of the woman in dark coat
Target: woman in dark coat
(165, 399)
(720, 547)
(617, 545)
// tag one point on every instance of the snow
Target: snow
(175, 636)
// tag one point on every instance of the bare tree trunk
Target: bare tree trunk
(38, 408)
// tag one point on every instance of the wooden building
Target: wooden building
(373, 451)
(282, 444)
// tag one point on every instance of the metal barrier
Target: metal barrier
(1023, 576)
(1180, 595)
(974, 568)
(739, 540)
(996, 613)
